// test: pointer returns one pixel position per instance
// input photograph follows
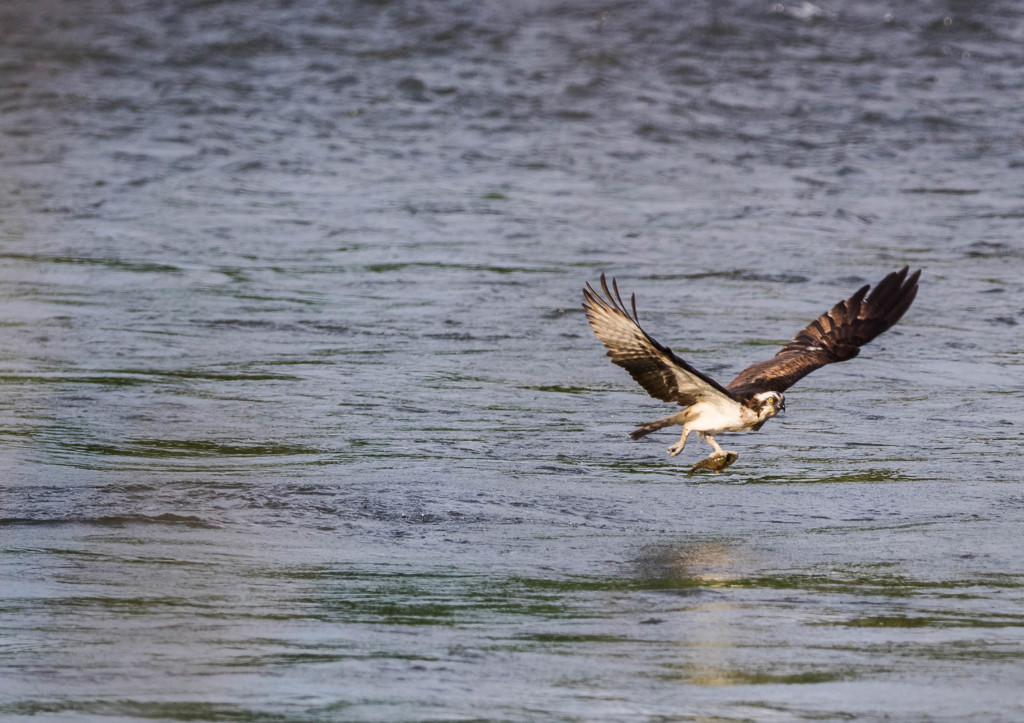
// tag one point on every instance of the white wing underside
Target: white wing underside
(704, 392)
(654, 366)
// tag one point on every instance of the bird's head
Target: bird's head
(768, 404)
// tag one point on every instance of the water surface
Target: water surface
(301, 419)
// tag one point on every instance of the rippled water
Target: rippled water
(301, 419)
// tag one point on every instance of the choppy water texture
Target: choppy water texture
(301, 419)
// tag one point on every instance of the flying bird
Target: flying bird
(755, 395)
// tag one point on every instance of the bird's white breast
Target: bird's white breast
(713, 417)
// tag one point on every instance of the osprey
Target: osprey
(755, 396)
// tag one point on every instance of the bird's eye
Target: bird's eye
(770, 400)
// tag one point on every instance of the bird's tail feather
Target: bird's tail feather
(655, 426)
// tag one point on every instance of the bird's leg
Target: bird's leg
(678, 446)
(719, 452)
(711, 440)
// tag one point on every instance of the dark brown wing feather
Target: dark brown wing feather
(835, 336)
(663, 374)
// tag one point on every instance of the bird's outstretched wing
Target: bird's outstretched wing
(663, 374)
(835, 336)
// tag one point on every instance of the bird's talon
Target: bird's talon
(716, 462)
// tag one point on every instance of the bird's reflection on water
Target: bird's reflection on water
(690, 562)
(707, 626)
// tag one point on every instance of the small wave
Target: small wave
(943, 191)
(990, 249)
(110, 520)
(735, 275)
